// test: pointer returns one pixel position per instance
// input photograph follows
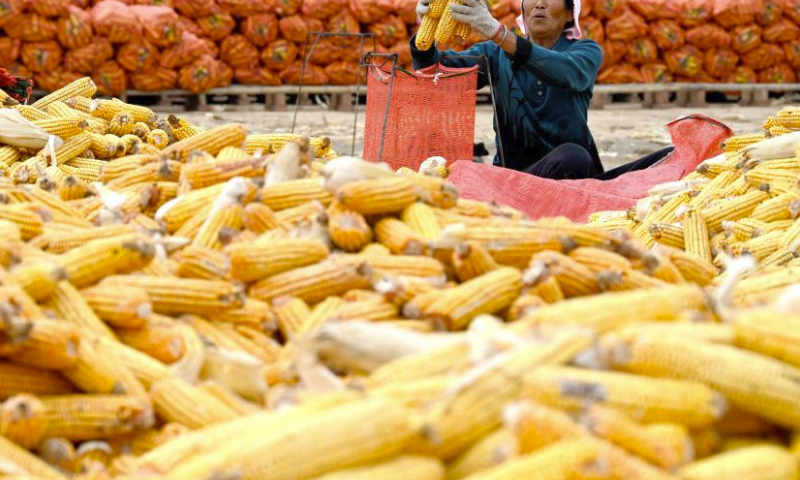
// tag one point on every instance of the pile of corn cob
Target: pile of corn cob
(439, 26)
(199, 307)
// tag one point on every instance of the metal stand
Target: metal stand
(307, 52)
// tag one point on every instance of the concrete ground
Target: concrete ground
(623, 132)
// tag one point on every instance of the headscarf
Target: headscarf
(573, 33)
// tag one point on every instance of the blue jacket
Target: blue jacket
(542, 95)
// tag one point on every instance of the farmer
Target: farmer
(542, 85)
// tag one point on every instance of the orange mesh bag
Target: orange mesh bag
(314, 74)
(687, 61)
(730, 13)
(258, 76)
(196, 8)
(200, 76)
(293, 28)
(791, 10)
(746, 38)
(608, 9)
(155, 80)
(792, 52)
(161, 26)
(279, 55)
(41, 56)
(325, 52)
(642, 51)
(342, 73)
(742, 74)
(8, 10)
(110, 78)
(322, 9)
(431, 113)
(116, 21)
(19, 70)
(667, 34)
(137, 56)
(74, 29)
(765, 56)
(593, 30)
(613, 52)
(624, 73)
(720, 62)
(81, 3)
(30, 27)
(217, 25)
(389, 30)
(245, 8)
(701, 77)
(225, 75)
(771, 13)
(238, 52)
(156, 3)
(781, 32)
(9, 49)
(693, 13)
(655, 73)
(48, 8)
(587, 8)
(260, 29)
(285, 8)
(368, 11)
(89, 57)
(777, 74)
(189, 25)
(345, 22)
(51, 81)
(656, 9)
(406, 9)
(709, 36)
(187, 51)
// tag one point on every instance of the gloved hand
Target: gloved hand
(477, 15)
(422, 9)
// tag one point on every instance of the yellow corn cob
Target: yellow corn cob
(121, 124)
(259, 218)
(420, 468)
(23, 420)
(548, 289)
(314, 283)
(462, 30)
(183, 295)
(574, 278)
(349, 230)
(384, 195)
(782, 207)
(536, 426)
(63, 127)
(695, 233)
(9, 155)
(30, 221)
(157, 138)
(103, 146)
(768, 333)
(224, 217)
(91, 417)
(713, 169)
(523, 305)
(447, 26)
(399, 237)
(97, 259)
(187, 206)
(738, 142)
(273, 143)
(492, 450)
(760, 247)
(294, 193)
(642, 398)
(761, 287)
(735, 209)
(692, 268)
(472, 260)
(68, 303)
(211, 141)
(232, 154)
(73, 189)
(178, 401)
(17, 379)
(158, 340)
(763, 461)
(773, 180)
(106, 109)
(19, 460)
(292, 313)
(62, 242)
(254, 313)
(116, 168)
(50, 345)
(720, 367)
(788, 117)
(251, 262)
(421, 218)
(83, 87)
(296, 215)
(33, 114)
(141, 130)
(236, 403)
(613, 462)
(119, 307)
(38, 279)
(204, 263)
(372, 309)
(183, 129)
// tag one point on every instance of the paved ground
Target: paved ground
(623, 132)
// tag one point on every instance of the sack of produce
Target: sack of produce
(137, 56)
(656, 9)
(9, 9)
(285, 8)
(342, 73)
(245, 8)
(642, 51)
(41, 56)
(694, 13)
(314, 74)
(403, 51)
(48, 8)
(765, 56)
(781, 32)
(159, 78)
(326, 51)
(368, 11)
(609, 9)
(345, 22)
(613, 52)
(730, 13)
(161, 25)
(30, 27)
(200, 75)
(771, 13)
(279, 54)
(217, 25)
(258, 76)
(656, 73)
(792, 52)
(667, 34)
(778, 74)
(9, 49)
(720, 62)
(89, 57)
(623, 73)
(196, 8)
(225, 75)
(322, 9)
(239, 53)
(686, 61)
(791, 10)
(389, 30)
(116, 21)
(746, 38)
(187, 51)
(189, 25)
(406, 9)
(742, 74)
(260, 29)
(593, 30)
(74, 29)
(709, 36)
(110, 78)
(293, 28)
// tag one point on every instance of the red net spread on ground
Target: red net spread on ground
(696, 138)
(431, 113)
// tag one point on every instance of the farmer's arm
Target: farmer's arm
(432, 56)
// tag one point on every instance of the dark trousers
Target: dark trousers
(571, 161)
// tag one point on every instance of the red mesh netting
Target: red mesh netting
(696, 138)
(431, 113)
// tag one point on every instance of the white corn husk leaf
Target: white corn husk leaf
(17, 131)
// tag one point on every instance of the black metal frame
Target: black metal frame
(307, 52)
(367, 63)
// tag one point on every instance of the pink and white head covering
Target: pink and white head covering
(573, 33)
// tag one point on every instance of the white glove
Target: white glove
(422, 9)
(477, 15)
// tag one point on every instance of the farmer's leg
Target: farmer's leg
(641, 164)
(568, 161)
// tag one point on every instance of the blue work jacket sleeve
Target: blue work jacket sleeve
(574, 70)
